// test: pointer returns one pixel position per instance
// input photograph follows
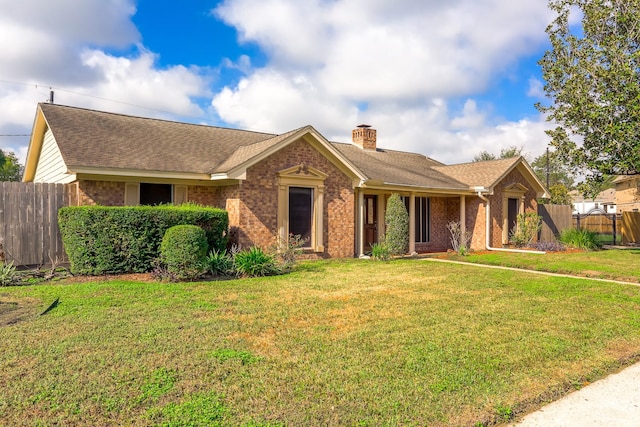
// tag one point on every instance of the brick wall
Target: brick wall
(105, 193)
(258, 201)
(204, 195)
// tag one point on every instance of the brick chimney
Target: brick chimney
(364, 137)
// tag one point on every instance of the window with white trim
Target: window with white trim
(142, 193)
(422, 218)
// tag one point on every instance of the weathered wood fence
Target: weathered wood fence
(555, 219)
(630, 227)
(29, 230)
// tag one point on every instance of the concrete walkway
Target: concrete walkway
(543, 273)
(613, 401)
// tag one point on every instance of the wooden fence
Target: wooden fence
(630, 227)
(29, 230)
(606, 225)
(555, 219)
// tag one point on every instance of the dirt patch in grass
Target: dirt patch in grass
(14, 310)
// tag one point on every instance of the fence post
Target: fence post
(578, 221)
(615, 217)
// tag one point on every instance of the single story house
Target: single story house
(333, 194)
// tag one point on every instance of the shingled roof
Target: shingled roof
(97, 139)
(100, 140)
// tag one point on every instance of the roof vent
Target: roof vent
(364, 137)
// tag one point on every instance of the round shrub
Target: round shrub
(184, 251)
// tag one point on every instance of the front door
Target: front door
(370, 226)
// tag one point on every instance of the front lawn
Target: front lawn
(621, 265)
(336, 343)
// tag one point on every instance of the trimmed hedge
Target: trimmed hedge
(106, 240)
(184, 251)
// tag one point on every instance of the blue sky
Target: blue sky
(446, 79)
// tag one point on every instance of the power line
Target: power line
(16, 134)
(108, 100)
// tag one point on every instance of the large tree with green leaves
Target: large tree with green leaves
(558, 173)
(505, 153)
(10, 167)
(592, 75)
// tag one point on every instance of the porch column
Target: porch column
(412, 223)
(463, 219)
(360, 223)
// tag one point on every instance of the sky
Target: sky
(447, 79)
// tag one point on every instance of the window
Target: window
(154, 194)
(301, 213)
(300, 205)
(422, 210)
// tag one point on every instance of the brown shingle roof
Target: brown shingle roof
(485, 174)
(97, 139)
(398, 167)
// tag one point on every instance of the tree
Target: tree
(559, 173)
(505, 153)
(10, 168)
(396, 221)
(560, 195)
(592, 76)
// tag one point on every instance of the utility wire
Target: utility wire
(106, 99)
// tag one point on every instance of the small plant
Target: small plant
(220, 263)
(288, 250)
(380, 252)
(580, 239)
(8, 275)
(526, 230)
(548, 246)
(396, 221)
(459, 242)
(183, 251)
(255, 263)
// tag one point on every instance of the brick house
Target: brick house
(333, 194)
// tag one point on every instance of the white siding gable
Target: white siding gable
(51, 167)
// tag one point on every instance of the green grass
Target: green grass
(335, 343)
(621, 265)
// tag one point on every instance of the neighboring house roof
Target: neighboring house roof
(607, 197)
(92, 141)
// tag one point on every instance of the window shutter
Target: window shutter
(131, 194)
(179, 194)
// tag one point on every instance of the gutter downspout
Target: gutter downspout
(488, 228)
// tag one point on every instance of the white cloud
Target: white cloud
(63, 44)
(536, 88)
(401, 60)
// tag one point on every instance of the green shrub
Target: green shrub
(526, 230)
(101, 240)
(183, 251)
(254, 263)
(8, 274)
(579, 239)
(220, 263)
(396, 221)
(380, 252)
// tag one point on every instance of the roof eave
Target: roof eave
(137, 173)
(35, 146)
(239, 172)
